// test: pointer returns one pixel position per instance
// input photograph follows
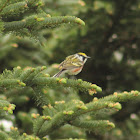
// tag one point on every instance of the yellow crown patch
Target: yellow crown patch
(82, 54)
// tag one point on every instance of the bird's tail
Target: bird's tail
(59, 73)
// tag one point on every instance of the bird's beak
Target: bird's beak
(88, 57)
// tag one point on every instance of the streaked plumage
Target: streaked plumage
(73, 64)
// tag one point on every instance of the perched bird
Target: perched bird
(73, 64)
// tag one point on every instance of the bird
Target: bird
(73, 64)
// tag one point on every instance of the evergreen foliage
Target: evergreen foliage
(38, 34)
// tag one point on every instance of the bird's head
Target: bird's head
(82, 56)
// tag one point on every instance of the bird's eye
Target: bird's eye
(83, 58)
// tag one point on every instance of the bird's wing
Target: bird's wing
(75, 61)
(71, 62)
(78, 64)
(65, 61)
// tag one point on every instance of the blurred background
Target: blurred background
(111, 37)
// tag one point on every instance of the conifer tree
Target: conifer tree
(42, 107)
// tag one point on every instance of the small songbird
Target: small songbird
(73, 64)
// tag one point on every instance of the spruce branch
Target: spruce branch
(6, 106)
(40, 97)
(75, 84)
(36, 22)
(95, 125)
(38, 122)
(30, 74)
(31, 24)
(122, 97)
(14, 9)
(17, 8)
(12, 93)
(78, 109)
(35, 79)
(66, 116)
(14, 133)
(62, 112)
(49, 110)
(25, 74)
(6, 83)
(3, 103)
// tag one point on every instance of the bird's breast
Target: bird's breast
(75, 71)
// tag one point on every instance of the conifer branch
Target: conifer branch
(122, 97)
(32, 23)
(14, 9)
(65, 106)
(6, 83)
(77, 109)
(3, 103)
(6, 106)
(38, 122)
(76, 84)
(66, 116)
(63, 113)
(14, 133)
(95, 125)
(33, 78)
(17, 8)
(36, 22)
